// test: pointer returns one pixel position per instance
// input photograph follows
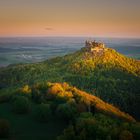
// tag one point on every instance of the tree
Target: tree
(4, 128)
(126, 135)
(66, 111)
(43, 112)
(68, 134)
(21, 105)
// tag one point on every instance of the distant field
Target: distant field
(36, 49)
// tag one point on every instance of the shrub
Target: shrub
(65, 94)
(4, 128)
(86, 115)
(43, 87)
(43, 112)
(135, 129)
(23, 91)
(55, 89)
(81, 107)
(66, 111)
(5, 97)
(26, 89)
(37, 96)
(72, 102)
(126, 135)
(21, 104)
(68, 134)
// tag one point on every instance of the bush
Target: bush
(5, 97)
(43, 112)
(37, 96)
(26, 89)
(55, 89)
(4, 128)
(86, 115)
(81, 107)
(21, 104)
(126, 135)
(135, 129)
(66, 111)
(68, 134)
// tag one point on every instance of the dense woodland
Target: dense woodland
(82, 115)
(112, 77)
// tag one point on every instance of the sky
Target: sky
(103, 18)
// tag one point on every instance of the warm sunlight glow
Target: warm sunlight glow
(70, 18)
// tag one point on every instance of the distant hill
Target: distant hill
(95, 68)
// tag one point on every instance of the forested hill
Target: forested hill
(84, 62)
(95, 68)
(91, 58)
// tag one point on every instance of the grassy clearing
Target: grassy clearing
(25, 127)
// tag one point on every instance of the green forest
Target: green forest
(79, 96)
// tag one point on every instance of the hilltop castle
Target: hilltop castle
(95, 47)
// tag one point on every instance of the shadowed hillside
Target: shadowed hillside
(58, 111)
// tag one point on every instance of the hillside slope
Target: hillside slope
(92, 103)
(103, 72)
(58, 111)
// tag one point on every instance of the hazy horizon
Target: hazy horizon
(68, 36)
(15, 50)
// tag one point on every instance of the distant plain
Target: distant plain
(15, 50)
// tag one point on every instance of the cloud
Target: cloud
(49, 29)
